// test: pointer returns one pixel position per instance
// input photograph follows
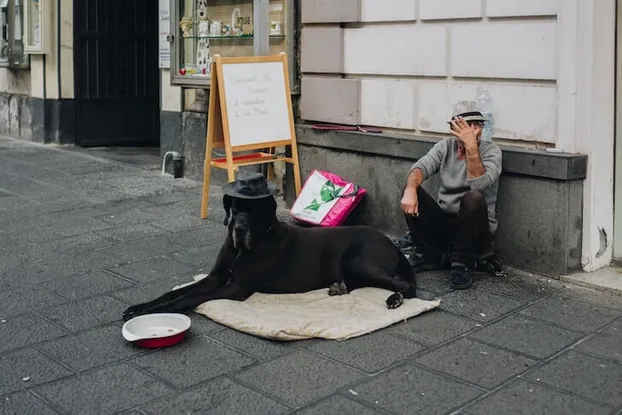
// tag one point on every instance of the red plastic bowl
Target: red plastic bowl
(156, 330)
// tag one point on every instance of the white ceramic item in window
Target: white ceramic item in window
(215, 28)
(236, 26)
(204, 58)
(203, 28)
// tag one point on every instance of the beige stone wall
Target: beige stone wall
(411, 60)
(15, 81)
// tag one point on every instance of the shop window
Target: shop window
(12, 53)
(200, 29)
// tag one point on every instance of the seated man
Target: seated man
(463, 221)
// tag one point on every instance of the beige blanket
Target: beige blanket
(313, 314)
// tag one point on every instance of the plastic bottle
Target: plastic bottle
(485, 104)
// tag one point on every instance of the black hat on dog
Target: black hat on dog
(250, 186)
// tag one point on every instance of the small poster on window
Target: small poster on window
(164, 29)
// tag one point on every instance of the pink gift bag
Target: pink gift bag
(326, 199)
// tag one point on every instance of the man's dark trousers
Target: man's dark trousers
(465, 235)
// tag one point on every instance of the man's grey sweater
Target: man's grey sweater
(443, 159)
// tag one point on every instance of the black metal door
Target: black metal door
(117, 82)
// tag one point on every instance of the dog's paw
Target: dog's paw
(395, 300)
(337, 288)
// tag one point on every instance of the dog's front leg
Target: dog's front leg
(209, 283)
(218, 276)
(193, 298)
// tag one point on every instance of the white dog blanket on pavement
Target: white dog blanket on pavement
(314, 314)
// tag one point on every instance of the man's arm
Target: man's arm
(427, 166)
(484, 170)
(415, 178)
(475, 166)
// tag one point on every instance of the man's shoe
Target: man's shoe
(488, 263)
(460, 277)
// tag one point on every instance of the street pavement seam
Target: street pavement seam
(534, 368)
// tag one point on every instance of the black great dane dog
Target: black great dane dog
(263, 255)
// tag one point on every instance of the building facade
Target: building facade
(399, 65)
(550, 67)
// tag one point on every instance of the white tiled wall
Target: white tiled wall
(521, 111)
(507, 8)
(449, 9)
(417, 58)
(396, 49)
(389, 103)
(387, 10)
(319, 58)
(327, 11)
(339, 98)
(503, 49)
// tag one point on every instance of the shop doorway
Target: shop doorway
(117, 79)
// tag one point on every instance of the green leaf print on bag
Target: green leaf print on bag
(314, 206)
(328, 193)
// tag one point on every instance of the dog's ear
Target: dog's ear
(226, 204)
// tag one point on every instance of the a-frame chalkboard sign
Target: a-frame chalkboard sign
(250, 108)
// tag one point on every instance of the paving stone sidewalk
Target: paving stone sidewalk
(82, 237)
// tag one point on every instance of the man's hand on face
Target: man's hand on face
(409, 202)
(467, 134)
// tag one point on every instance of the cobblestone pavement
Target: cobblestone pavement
(82, 237)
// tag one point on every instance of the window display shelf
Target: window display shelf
(238, 37)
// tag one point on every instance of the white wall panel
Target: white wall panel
(330, 99)
(388, 103)
(526, 50)
(521, 112)
(323, 48)
(450, 9)
(388, 10)
(330, 11)
(510, 8)
(396, 49)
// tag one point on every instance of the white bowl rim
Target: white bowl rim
(131, 336)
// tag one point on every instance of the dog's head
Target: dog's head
(249, 220)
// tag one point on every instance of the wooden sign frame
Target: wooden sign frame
(218, 134)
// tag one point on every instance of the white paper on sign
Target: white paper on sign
(256, 102)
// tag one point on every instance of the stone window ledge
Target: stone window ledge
(517, 161)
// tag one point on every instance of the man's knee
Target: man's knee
(473, 200)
